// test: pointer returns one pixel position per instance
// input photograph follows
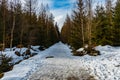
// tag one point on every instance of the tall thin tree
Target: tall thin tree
(4, 20)
(89, 10)
(13, 25)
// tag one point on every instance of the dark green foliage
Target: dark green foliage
(105, 29)
(4, 64)
(75, 30)
(76, 36)
(117, 24)
(103, 26)
(102, 29)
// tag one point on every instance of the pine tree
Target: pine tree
(78, 26)
(109, 21)
(100, 28)
(117, 24)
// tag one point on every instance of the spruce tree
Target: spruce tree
(117, 24)
(100, 29)
(78, 26)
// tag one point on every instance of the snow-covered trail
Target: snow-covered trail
(64, 66)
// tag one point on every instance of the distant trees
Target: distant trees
(66, 30)
(100, 27)
(25, 26)
(48, 33)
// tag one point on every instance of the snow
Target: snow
(63, 65)
(16, 58)
(81, 49)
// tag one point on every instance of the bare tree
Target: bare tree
(31, 6)
(13, 25)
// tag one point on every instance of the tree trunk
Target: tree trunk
(89, 3)
(83, 39)
(3, 3)
(12, 31)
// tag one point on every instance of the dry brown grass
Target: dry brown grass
(1, 75)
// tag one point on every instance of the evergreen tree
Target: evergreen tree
(109, 21)
(103, 24)
(78, 26)
(100, 26)
(117, 24)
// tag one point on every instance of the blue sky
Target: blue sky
(60, 8)
(62, 4)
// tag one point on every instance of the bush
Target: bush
(5, 66)
(89, 50)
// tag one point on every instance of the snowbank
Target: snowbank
(16, 58)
